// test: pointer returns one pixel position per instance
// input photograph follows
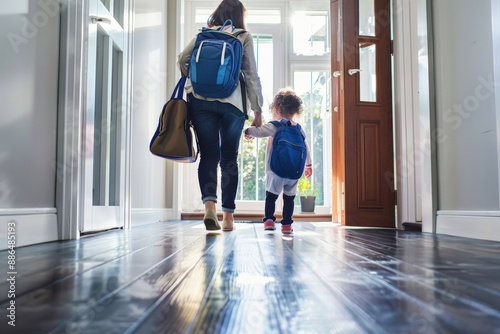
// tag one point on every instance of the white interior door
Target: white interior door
(105, 128)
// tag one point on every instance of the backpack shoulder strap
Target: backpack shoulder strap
(276, 124)
(285, 122)
(299, 128)
(236, 33)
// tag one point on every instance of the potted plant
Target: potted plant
(307, 195)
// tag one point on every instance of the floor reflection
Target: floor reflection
(176, 278)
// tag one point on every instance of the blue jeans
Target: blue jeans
(218, 127)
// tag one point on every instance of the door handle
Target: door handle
(352, 71)
(336, 74)
(98, 19)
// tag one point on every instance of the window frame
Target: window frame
(285, 64)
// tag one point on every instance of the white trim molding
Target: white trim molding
(495, 12)
(427, 119)
(70, 118)
(406, 109)
(32, 226)
(27, 211)
(470, 224)
(151, 215)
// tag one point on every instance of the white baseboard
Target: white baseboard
(33, 226)
(471, 224)
(148, 216)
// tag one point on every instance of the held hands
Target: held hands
(247, 136)
(308, 172)
(257, 121)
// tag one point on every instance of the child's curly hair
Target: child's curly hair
(287, 103)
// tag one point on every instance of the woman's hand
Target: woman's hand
(257, 121)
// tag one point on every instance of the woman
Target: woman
(218, 122)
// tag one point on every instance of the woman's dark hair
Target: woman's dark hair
(287, 103)
(228, 10)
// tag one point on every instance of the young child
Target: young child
(286, 105)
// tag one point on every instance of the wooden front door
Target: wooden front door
(363, 182)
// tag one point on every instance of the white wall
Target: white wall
(466, 116)
(28, 90)
(152, 177)
(465, 59)
(29, 52)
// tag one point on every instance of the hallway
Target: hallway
(174, 277)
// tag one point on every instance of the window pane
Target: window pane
(251, 185)
(247, 184)
(310, 32)
(202, 15)
(368, 74)
(263, 16)
(115, 127)
(254, 16)
(107, 4)
(367, 17)
(118, 11)
(313, 88)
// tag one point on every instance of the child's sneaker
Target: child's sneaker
(269, 225)
(286, 229)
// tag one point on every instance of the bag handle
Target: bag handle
(228, 22)
(243, 94)
(179, 89)
(177, 94)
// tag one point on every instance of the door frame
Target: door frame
(413, 116)
(70, 163)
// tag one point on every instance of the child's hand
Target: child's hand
(308, 172)
(247, 136)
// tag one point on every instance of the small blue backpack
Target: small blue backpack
(288, 153)
(215, 63)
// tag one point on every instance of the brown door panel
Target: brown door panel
(363, 134)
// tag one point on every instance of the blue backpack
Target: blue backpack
(215, 63)
(288, 153)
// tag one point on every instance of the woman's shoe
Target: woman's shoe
(210, 220)
(228, 225)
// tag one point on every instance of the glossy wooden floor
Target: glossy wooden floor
(174, 277)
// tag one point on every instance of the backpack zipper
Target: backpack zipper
(300, 162)
(286, 141)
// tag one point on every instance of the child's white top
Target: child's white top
(268, 130)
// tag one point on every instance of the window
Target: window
(309, 67)
(295, 54)
(310, 32)
(313, 87)
(255, 16)
(251, 185)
